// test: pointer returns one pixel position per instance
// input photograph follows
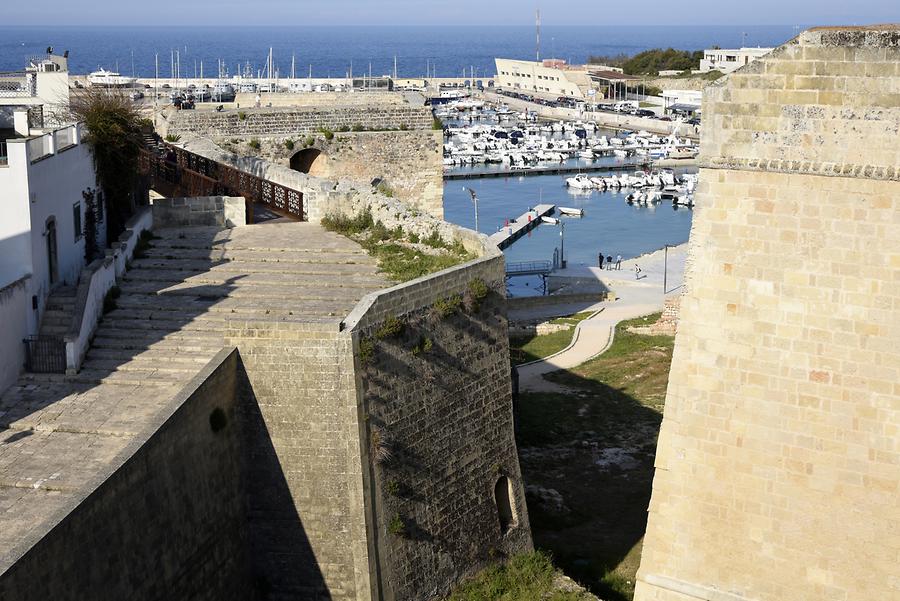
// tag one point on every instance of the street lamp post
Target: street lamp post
(562, 244)
(665, 268)
(475, 201)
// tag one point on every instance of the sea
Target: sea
(448, 51)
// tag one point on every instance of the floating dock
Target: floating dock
(561, 170)
(521, 226)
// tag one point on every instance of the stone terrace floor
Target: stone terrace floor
(57, 432)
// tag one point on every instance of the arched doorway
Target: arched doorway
(308, 160)
(52, 251)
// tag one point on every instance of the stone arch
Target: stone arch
(308, 160)
(504, 497)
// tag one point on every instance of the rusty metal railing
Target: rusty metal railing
(191, 174)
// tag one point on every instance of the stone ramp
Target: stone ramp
(177, 304)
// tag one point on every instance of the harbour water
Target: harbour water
(609, 224)
(444, 50)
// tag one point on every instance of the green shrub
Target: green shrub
(366, 351)
(327, 133)
(242, 115)
(379, 233)
(289, 144)
(437, 124)
(344, 128)
(358, 127)
(414, 237)
(309, 141)
(172, 138)
(445, 307)
(423, 346)
(397, 233)
(393, 488)
(434, 240)
(254, 144)
(476, 292)
(385, 189)
(390, 328)
(403, 127)
(397, 526)
(528, 576)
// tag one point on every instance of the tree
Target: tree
(114, 137)
(652, 62)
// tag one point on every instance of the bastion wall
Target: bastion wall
(166, 522)
(777, 464)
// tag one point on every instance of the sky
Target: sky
(444, 12)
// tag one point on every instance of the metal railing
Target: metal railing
(193, 175)
(45, 354)
(18, 85)
(529, 268)
(4, 156)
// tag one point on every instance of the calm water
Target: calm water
(609, 224)
(330, 50)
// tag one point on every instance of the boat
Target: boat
(550, 220)
(580, 182)
(571, 212)
(110, 79)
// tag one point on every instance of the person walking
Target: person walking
(600, 260)
(608, 262)
(637, 272)
(618, 262)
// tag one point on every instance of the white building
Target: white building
(686, 102)
(728, 60)
(44, 84)
(550, 78)
(42, 221)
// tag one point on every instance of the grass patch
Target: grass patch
(600, 438)
(391, 249)
(525, 577)
(531, 348)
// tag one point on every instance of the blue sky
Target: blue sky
(455, 12)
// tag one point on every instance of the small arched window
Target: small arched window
(506, 505)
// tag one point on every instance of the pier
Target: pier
(521, 226)
(557, 170)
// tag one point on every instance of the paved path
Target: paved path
(634, 299)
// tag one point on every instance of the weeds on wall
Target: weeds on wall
(309, 141)
(289, 144)
(392, 327)
(366, 351)
(380, 446)
(254, 144)
(384, 188)
(397, 526)
(393, 248)
(445, 307)
(326, 133)
(242, 115)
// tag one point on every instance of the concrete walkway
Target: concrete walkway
(635, 297)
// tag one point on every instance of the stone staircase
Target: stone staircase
(57, 318)
(176, 302)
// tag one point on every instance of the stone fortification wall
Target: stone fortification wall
(777, 461)
(321, 196)
(167, 522)
(435, 398)
(368, 100)
(305, 514)
(408, 162)
(297, 121)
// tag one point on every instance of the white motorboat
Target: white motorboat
(110, 79)
(586, 154)
(550, 220)
(571, 212)
(580, 182)
(599, 183)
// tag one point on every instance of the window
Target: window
(76, 219)
(506, 509)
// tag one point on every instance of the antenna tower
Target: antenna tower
(538, 23)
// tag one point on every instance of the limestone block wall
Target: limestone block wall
(305, 510)
(408, 162)
(212, 211)
(437, 427)
(297, 120)
(167, 522)
(777, 465)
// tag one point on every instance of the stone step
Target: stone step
(66, 305)
(174, 366)
(187, 267)
(232, 308)
(152, 354)
(266, 296)
(261, 256)
(96, 378)
(168, 278)
(54, 330)
(57, 318)
(293, 237)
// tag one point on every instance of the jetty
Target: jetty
(556, 170)
(521, 226)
